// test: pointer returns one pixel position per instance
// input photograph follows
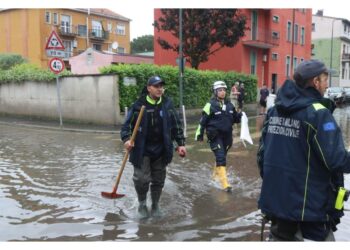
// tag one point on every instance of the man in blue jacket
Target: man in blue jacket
(153, 147)
(301, 153)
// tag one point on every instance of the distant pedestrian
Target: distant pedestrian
(217, 119)
(153, 148)
(264, 93)
(241, 96)
(234, 94)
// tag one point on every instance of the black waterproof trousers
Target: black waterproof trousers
(220, 145)
(152, 174)
(283, 230)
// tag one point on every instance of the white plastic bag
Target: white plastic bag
(245, 135)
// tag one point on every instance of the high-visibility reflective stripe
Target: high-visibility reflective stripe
(153, 102)
(198, 131)
(206, 108)
(318, 106)
(307, 173)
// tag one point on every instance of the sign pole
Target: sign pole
(181, 66)
(59, 100)
(55, 47)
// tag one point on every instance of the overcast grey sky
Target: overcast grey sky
(141, 11)
(142, 18)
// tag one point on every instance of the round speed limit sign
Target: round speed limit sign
(56, 65)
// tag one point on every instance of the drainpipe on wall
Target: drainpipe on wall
(292, 56)
(87, 29)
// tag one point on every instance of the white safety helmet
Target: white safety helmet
(219, 84)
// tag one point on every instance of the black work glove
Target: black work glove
(199, 137)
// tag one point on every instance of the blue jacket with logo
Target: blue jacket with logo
(171, 129)
(300, 149)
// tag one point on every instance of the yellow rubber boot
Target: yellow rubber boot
(220, 172)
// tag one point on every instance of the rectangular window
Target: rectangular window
(288, 66)
(109, 27)
(97, 30)
(296, 33)
(121, 50)
(313, 27)
(253, 58)
(82, 30)
(289, 31)
(47, 17)
(295, 63)
(302, 36)
(275, 19)
(254, 25)
(55, 18)
(274, 56)
(66, 24)
(68, 48)
(97, 47)
(275, 35)
(120, 30)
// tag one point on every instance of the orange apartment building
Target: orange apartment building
(266, 50)
(26, 31)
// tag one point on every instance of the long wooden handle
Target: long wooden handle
(126, 156)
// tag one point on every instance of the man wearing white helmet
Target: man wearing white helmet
(217, 119)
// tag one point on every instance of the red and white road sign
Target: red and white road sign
(56, 65)
(54, 42)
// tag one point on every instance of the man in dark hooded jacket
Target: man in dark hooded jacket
(301, 156)
(153, 148)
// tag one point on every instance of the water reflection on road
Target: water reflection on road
(50, 184)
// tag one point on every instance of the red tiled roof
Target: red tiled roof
(105, 12)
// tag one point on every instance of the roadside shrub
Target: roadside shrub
(28, 72)
(9, 60)
(196, 83)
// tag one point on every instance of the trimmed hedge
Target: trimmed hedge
(196, 83)
(8, 60)
(28, 72)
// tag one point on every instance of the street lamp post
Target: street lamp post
(331, 57)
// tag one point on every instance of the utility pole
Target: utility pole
(331, 57)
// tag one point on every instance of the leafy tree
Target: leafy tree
(9, 60)
(142, 44)
(205, 31)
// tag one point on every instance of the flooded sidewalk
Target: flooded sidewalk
(51, 180)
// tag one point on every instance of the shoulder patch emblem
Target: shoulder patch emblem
(329, 126)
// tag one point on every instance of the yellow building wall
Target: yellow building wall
(25, 32)
(21, 34)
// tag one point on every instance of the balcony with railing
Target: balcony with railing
(98, 34)
(263, 39)
(345, 57)
(69, 31)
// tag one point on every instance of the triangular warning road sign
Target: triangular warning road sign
(54, 42)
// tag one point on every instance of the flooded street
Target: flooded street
(50, 185)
